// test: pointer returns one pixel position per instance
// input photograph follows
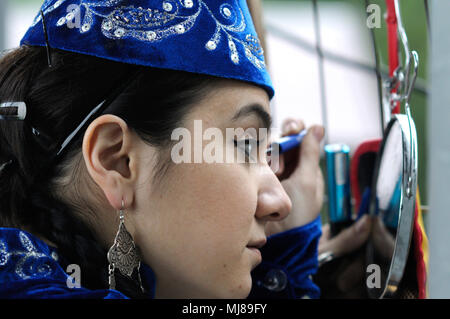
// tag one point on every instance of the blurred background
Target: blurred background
(350, 106)
(352, 112)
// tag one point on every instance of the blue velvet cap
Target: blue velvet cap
(201, 36)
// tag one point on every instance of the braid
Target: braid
(74, 239)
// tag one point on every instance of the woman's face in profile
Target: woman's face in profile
(195, 225)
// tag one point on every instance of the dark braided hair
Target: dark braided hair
(58, 99)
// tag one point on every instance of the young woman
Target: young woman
(89, 183)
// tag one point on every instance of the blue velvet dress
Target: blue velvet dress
(29, 268)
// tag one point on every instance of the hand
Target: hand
(383, 241)
(344, 277)
(301, 177)
(348, 240)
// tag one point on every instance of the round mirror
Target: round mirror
(392, 207)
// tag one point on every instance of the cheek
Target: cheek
(223, 205)
(203, 223)
(219, 198)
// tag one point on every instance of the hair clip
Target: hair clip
(16, 111)
(47, 45)
(13, 111)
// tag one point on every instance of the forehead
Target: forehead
(227, 97)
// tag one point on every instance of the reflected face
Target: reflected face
(198, 227)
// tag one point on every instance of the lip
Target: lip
(255, 246)
(257, 253)
(259, 243)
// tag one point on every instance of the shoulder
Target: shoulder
(23, 257)
(29, 268)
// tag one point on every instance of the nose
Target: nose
(273, 202)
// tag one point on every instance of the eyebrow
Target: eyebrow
(254, 109)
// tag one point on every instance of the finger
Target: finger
(279, 169)
(310, 154)
(292, 126)
(383, 240)
(320, 188)
(289, 160)
(349, 239)
(324, 238)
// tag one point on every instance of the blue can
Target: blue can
(338, 182)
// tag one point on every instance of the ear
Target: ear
(109, 151)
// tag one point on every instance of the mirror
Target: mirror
(392, 206)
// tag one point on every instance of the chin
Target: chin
(242, 289)
(234, 285)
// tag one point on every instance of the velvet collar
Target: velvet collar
(29, 268)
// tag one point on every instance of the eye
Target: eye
(248, 146)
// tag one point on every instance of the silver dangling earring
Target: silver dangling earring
(123, 254)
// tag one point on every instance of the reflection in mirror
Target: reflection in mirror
(386, 208)
(390, 209)
(388, 188)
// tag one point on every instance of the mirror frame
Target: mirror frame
(407, 203)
